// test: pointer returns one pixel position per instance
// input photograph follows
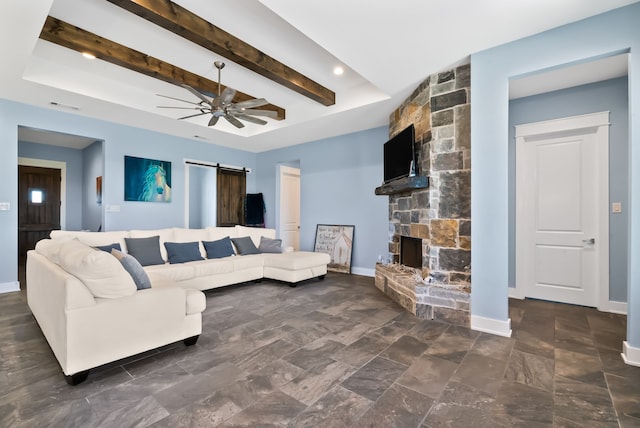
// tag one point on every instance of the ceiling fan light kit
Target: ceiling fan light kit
(222, 105)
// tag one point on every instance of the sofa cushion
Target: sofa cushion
(296, 260)
(244, 245)
(93, 239)
(100, 272)
(50, 248)
(213, 266)
(247, 262)
(109, 247)
(176, 272)
(134, 268)
(218, 249)
(182, 252)
(146, 250)
(268, 245)
(216, 233)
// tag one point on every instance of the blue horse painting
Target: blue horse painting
(147, 180)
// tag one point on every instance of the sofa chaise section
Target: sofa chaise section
(85, 331)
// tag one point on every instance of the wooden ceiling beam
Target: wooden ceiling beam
(69, 36)
(184, 23)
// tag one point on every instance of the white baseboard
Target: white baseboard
(514, 293)
(490, 325)
(9, 287)
(614, 307)
(363, 272)
(630, 354)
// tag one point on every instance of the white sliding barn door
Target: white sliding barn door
(562, 209)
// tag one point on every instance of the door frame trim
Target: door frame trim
(62, 166)
(599, 123)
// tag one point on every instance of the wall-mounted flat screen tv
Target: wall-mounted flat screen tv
(399, 152)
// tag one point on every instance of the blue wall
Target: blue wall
(73, 159)
(119, 141)
(338, 177)
(612, 96)
(602, 35)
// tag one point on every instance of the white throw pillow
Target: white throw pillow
(100, 272)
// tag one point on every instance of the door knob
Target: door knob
(589, 241)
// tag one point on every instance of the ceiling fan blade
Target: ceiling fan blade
(267, 113)
(250, 119)
(178, 99)
(193, 115)
(196, 93)
(213, 121)
(226, 97)
(183, 108)
(258, 102)
(235, 122)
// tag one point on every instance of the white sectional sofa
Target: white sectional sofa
(90, 308)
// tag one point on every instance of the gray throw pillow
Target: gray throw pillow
(145, 250)
(245, 246)
(182, 252)
(268, 245)
(218, 249)
(109, 247)
(131, 265)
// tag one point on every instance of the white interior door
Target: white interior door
(290, 207)
(562, 228)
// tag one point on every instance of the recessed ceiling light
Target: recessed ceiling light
(338, 71)
(88, 55)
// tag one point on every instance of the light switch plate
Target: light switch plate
(5, 206)
(616, 207)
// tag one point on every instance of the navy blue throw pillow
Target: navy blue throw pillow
(182, 252)
(109, 247)
(218, 249)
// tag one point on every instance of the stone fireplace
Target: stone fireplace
(437, 218)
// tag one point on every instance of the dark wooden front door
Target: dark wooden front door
(231, 188)
(38, 206)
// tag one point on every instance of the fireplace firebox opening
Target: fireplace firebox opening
(411, 252)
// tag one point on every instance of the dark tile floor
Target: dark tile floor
(334, 353)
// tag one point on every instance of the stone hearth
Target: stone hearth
(428, 301)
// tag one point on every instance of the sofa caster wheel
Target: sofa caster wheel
(293, 285)
(77, 378)
(257, 281)
(321, 277)
(190, 341)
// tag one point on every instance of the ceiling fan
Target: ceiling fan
(222, 105)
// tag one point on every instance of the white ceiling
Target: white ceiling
(386, 49)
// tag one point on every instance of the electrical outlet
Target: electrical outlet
(5, 206)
